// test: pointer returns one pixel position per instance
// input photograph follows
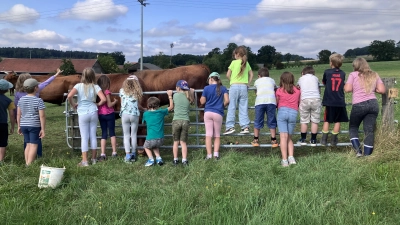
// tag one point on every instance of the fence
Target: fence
(73, 135)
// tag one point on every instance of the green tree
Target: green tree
(383, 50)
(398, 49)
(214, 63)
(161, 60)
(119, 57)
(67, 67)
(108, 64)
(323, 56)
(266, 55)
(287, 57)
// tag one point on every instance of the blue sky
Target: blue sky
(302, 27)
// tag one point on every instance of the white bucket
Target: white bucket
(50, 176)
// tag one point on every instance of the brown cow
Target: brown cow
(12, 78)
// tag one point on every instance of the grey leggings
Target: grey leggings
(130, 126)
(88, 127)
(365, 112)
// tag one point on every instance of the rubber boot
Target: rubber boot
(334, 140)
(355, 142)
(368, 150)
(324, 139)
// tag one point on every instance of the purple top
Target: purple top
(18, 95)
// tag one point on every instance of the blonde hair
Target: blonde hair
(19, 86)
(132, 87)
(89, 80)
(241, 51)
(188, 96)
(366, 75)
(336, 60)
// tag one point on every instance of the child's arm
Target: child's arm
(12, 117)
(19, 120)
(109, 102)
(48, 81)
(171, 101)
(228, 74)
(250, 77)
(102, 98)
(226, 99)
(380, 88)
(70, 98)
(42, 117)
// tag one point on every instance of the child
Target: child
(240, 76)
(363, 83)
(154, 119)
(20, 92)
(333, 100)
(107, 118)
(31, 119)
(215, 98)
(287, 99)
(310, 105)
(5, 104)
(265, 104)
(131, 94)
(180, 123)
(87, 107)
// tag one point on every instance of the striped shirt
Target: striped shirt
(30, 106)
(265, 91)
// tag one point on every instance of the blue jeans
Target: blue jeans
(365, 112)
(261, 110)
(238, 95)
(286, 120)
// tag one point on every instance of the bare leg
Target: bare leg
(209, 145)
(336, 128)
(103, 143)
(304, 127)
(284, 145)
(184, 150)
(256, 132)
(84, 157)
(175, 149)
(273, 132)
(114, 144)
(314, 128)
(149, 153)
(156, 152)
(217, 143)
(94, 153)
(325, 127)
(290, 145)
(2, 153)
(32, 151)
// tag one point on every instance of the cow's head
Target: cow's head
(11, 77)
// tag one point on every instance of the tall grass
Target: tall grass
(247, 186)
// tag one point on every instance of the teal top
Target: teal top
(181, 107)
(154, 123)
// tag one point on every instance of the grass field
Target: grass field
(247, 186)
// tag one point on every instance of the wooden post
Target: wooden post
(388, 105)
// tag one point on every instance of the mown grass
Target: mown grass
(247, 186)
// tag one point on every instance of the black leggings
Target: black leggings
(365, 112)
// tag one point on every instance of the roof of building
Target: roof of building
(42, 65)
(146, 66)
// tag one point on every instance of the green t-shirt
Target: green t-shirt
(235, 68)
(155, 123)
(181, 107)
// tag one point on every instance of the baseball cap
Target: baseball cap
(29, 83)
(5, 85)
(213, 74)
(182, 84)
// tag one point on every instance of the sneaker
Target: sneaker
(160, 162)
(302, 141)
(185, 163)
(274, 144)
(114, 155)
(245, 130)
(284, 163)
(175, 162)
(216, 157)
(101, 158)
(83, 164)
(359, 153)
(133, 158)
(291, 160)
(94, 161)
(229, 131)
(149, 162)
(313, 143)
(255, 143)
(127, 159)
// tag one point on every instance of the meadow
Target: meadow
(247, 186)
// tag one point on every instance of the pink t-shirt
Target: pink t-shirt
(288, 100)
(359, 94)
(104, 109)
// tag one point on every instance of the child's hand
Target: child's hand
(11, 130)
(115, 100)
(169, 93)
(41, 134)
(19, 131)
(58, 71)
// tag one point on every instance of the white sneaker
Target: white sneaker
(291, 160)
(245, 130)
(229, 131)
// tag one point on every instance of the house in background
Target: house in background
(46, 66)
(146, 66)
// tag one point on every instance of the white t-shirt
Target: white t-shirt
(309, 86)
(87, 101)
(265, 91)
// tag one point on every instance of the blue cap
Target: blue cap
(182, 84)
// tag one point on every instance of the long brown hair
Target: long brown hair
(366, 75)
(104, 82)
(287, 82)
(241, 51)
(219, 84)
(19, 86)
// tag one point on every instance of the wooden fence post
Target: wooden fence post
(388, 105)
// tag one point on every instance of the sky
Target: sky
(302, 27)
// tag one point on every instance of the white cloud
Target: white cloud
(169, 29)
(38, 36)
(95, 10)
(19, 14)
(219, 24)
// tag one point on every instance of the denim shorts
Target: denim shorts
(286, 120)
(154, 143)
(31, 134)
(180, 130)
(261, 110)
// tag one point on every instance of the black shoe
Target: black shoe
(101, 158)
(302, 141)
(175, 162)
(216, 157)
(185, 163)
(324, 139)
(133, 158)
(334, 140)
